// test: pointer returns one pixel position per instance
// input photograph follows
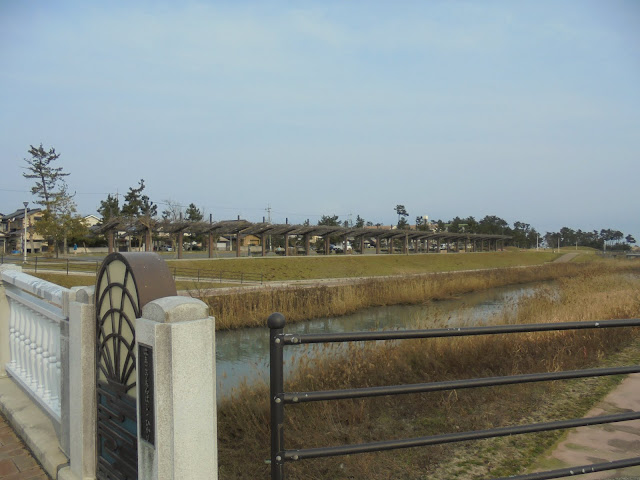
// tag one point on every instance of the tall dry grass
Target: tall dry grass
(243, 421)
(246, 309)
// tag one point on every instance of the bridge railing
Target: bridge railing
(36, 318)
(280, 456)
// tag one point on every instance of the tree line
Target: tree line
(61, 222)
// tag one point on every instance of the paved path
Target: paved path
(16, 462)
(603, 443)
(567, 257)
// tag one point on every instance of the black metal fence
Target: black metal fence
(79, 266)
(63, 265)
(216, 276)
(279, 398)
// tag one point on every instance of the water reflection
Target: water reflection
(243, 355)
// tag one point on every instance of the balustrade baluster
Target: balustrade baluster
(53, 367)
(24, 344)
(39, 373)
(13, 332)
(46, 353)
(33, 334)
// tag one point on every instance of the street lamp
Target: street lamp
(24, 247)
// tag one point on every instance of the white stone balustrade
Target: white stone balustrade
(35, 315)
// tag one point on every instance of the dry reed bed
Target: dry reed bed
(243, 421)
(250, 309)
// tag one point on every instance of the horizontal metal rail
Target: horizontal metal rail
(580, 470)
(318, 396)
(294, 455)
(280, 398)
(294, 339)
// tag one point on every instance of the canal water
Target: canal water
(243, 355)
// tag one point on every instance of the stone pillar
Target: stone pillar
(82, 383)
(176, 381)
(180, 242)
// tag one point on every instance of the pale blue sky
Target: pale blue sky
(525, 110)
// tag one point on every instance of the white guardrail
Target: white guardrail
(36, 313)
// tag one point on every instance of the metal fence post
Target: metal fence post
(276, 322)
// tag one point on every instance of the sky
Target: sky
(527, 110)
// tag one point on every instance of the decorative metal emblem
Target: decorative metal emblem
(126, 282)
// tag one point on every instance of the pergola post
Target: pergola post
(378, 246)
(406, 244)
(307, 244)
(344, 249)
(362, 245)
(390, 245)
(238, 238)
(147, 246)
(263, 243)
(286, 244)
(110, 236)
(326, 245)
(180, 237)
(210, 245)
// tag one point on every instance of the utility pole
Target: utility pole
(268, 209)
(24, 247)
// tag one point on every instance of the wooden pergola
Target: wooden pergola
(420, 240)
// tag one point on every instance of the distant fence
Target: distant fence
(213, 276)
(64, 265)
(619, 254)
(279, 398)
(70, 266)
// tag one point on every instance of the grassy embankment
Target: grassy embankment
(338, 266)
(350, 266)
(591, 294)
(297, 303)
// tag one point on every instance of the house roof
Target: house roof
(20, 213)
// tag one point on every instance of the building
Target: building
(12, 232)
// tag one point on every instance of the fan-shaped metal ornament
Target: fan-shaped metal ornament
(125, 283)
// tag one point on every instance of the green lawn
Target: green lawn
(345, 266)
(338, 266)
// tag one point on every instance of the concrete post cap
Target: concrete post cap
(175, 309)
